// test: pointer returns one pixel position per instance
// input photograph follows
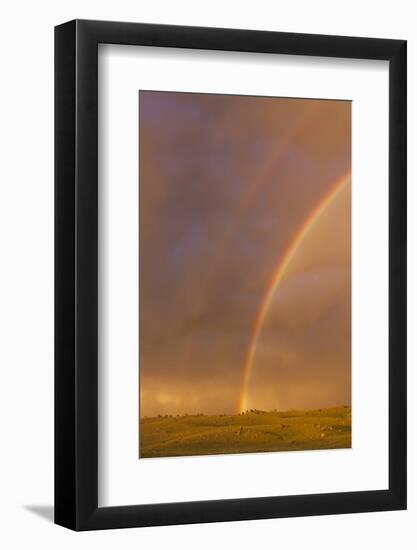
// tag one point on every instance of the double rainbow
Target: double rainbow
(278, 275)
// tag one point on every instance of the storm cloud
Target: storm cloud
(225, 183)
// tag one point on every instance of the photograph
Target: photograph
(244, 274)
(209, 257)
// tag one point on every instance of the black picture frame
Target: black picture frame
(76, 274)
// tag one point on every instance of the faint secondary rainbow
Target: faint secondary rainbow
(262, 179)
(277, 278)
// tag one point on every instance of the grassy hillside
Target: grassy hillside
(250, 432)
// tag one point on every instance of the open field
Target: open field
(250, 432)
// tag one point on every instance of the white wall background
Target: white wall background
(26, 272)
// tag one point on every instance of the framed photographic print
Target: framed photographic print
(230, 252)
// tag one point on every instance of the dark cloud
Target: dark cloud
(225, 183)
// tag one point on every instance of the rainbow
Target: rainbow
(262, 179)
(276, 280)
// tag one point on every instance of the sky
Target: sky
(226, 182)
